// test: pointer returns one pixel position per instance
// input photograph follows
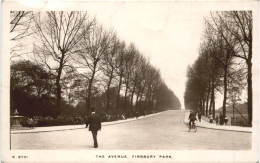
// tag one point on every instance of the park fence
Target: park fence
(238, 121)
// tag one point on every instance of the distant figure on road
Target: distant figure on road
(226, 120)
(210, 118)
(94, 123)
(30, 122)
(192, 118)
(216, 119)
(199, 116)
(136, 115)
(221, 119)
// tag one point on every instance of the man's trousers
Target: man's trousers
(94, 134)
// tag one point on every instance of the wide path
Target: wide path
(165, 132)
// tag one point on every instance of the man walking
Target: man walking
(94, 123)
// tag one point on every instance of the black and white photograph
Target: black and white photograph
(130, 81)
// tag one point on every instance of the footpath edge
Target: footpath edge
(83, 126)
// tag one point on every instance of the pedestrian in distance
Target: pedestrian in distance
(226, 120)
(30, 122)
(136, 115)
(210, 118)
(199, 116)
(221, 119)
(217, 120)
(94, 123)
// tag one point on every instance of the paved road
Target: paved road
(165, 132)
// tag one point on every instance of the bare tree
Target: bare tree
(20, 23)
(129, 69)
(92, 48)
(235, 29)
(214, 74)
(239, 25)
(121, 60)
(109, 66)
(57, 34)
(226, 48)
(150, 78)
(135, 77)
(141, 85)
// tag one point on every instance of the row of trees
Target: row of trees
(75, 61)
(224, 64)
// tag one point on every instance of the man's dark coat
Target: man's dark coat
(94, 122)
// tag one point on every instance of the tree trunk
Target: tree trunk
(58, 92)
(212, 101)
(147, 97)
(126, 90)
(118, 92)
(145, 103)
(108, 91)
(249, 81)
(88, 103)
(200, 105)
(208, 111)
(58, 100)
(210, 104)
(136, 100)
(225, 92)
(140, 103)
(89, 96)
(152, 104)
(141, 93)
(203, 103)
(132, 96)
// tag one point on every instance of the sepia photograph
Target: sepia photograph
(121, 81)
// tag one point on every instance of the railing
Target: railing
(238, 121)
